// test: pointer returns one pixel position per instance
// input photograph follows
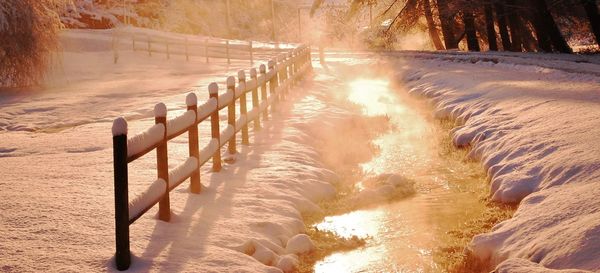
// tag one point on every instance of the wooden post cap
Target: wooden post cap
(262, 68)
(241, 75)
(272, 64)
(253, 73)
(160, 110)
(191, 99)
(213, 88)
(119, 126)
(230, 81)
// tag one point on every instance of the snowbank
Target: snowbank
(385, 187)
(535, 129)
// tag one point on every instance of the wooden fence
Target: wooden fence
(282, 73)
(195, 47)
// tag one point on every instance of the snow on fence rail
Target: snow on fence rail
(207, 48)
(283, 73)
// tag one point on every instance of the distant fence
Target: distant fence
(206, 48)
(282, 73)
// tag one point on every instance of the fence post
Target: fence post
(255, 103)
(291, 68)
(296, 66)
(231, 114)
(192, 104)
(115, 47)
(206, 51)
(168, 53)
(251, 54)
(122, 255)
(213, 91)
(274, 82)
(227, 51)
(187, 55)
(162, 162)
(283, 74)
(149, 45)
(243, 106)
(263, 91)
(309, 57)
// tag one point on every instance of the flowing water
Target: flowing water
(402, 236)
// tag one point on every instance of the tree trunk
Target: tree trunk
(592, 13)
(489, 25)
(543, 39)
(447, 21)
(529, 42)
(502, 25)
(515, 26)
(548, 23)
(433, 31)
(470, 31)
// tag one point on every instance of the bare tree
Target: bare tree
(29, 33)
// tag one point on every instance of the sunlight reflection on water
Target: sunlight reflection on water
(401, 236)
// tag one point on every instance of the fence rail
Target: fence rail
(283, 72)
(197, 47)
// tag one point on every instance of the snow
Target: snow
(182, 172)
(206, 109)
(160, 110)
(261, 79)
(299, 244)
(226, 98)
(227, 133)
(385, 187)
(60, 137)
(271, 99)
(146, 139)
(240, 89)
(209, 150)
(288, 263)
(531, 119)
(251, 84)
(240, 122)
(525, 266)
(230, 82)
(181, 123)
(191, 99)
(241, 75)
(264, 105)
(252, 114)
(147, 198)
(119, 126)
(213, 88)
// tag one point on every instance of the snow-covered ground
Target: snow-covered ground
(56, 166)
(532, 120)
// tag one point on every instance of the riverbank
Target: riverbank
(401, 207)
(535, 131)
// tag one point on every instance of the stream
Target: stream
(402, 236)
